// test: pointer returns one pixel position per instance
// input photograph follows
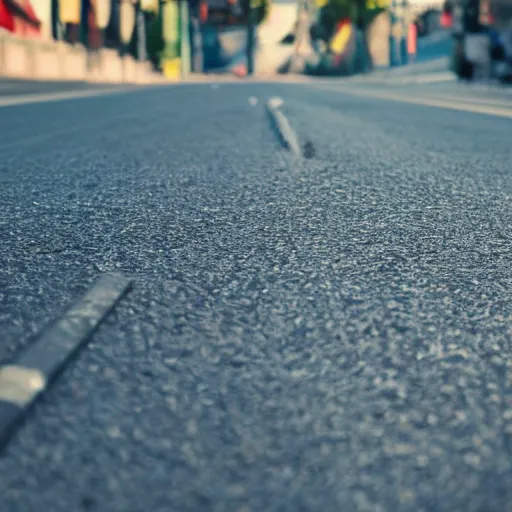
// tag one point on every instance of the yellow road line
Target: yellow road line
(439, 102)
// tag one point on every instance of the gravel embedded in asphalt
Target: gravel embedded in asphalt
(329, 335)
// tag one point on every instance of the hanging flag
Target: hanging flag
(6, 18)
(342, 36)
(446, 20)
(150, 5)
(43, 12)
(69, 11)
(102, 11)
(126, 21)
(19, 17)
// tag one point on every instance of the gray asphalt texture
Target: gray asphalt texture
(10, 87)
(325, 335)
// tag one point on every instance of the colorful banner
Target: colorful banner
(6, 18)
(126, 21)
(171, 27)
(102, 12)
(342, 37)
(43, 11)
(150, 5)
(19, 17)
(69, 11)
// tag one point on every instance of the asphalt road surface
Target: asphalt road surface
(324, 333)
(12, 87)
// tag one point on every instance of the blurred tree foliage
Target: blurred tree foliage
(155, 43)
(260, 9)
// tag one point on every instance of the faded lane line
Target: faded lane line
(26, 99)
(24, 380)
(506, 103)
(423, 79)
(286, 133)
(424, 101)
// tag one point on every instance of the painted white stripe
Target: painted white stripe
(20, 385)
(284, 127)
(60, 96)
(41, 361)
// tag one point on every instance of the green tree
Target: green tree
(260, 9)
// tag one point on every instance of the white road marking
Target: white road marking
(20, 385)
(275, 102)
(23, 381)
(253, 101)
(283, 126)
(60, 96)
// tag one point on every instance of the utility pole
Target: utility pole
(84, 23)
(197, 65)
(404, 15)
(141, 35)
(57, 29)
(185, 39)
(472, 16)
(392, 42)
(250, 37)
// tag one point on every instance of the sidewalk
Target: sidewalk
(424, 72)
(55, 61)
(432, 72)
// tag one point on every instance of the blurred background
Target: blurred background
(145, 41)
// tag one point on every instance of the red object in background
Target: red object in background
(95, 36)
(29, 27)
(18, 16)
(446, 20)
(412, 39)
(342, 23)
(240, 71)
(203, 12)
(6, 18)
